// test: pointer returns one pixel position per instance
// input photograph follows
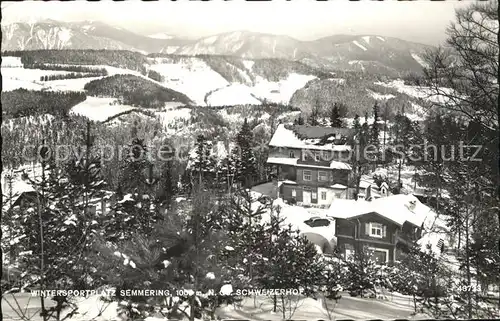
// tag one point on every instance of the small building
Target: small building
(387, 226)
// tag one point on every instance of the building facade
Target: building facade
(311, 163)
(386, 226)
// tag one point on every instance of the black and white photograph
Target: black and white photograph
(250, 160)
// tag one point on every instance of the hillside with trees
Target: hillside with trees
(116, 58)
(135, 91)
(22, 102)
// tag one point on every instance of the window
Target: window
(326, 155)
(322, 176)
(323, 196)
(294, 192)
(314, 195)
(376, 230)
(307, 175)
(380, 255)
(292, 154)
(349, 252)
(317, 157)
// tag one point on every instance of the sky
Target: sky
(418, 21)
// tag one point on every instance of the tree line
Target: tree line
(23, 102)
(72, 75)
(116, 58)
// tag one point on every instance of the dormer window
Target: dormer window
(292, 154)
(317, 157)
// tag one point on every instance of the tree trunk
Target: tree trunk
(283, 307)
(275, 303)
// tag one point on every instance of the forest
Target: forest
(135, 91)
(116, 58)
(22, 102)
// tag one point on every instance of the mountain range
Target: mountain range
(366, 53)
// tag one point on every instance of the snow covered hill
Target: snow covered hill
(218, 81)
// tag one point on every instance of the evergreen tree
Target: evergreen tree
(374, 128)
(335, 117)
(356, 124)
(203, 165)
(300, 120)
(315, 115)
(60, 228)
(247, 169)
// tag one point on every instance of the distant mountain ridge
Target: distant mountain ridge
(367, 53)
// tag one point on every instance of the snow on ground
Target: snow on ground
(76, 84)
(339, 81)
(248, 64)
(14, 78)
(191, 76)
(295, 216)
(359, 45)
(170, 116)
(38, 119)
(99, 109)
(13, 84)
(419, 60)
(380, 38)
(366, 39)
(415, 91)
(29, 74)
(234, 118)
(281, 91)
(289, 114)
(11, 62)
(233, 94)
(380, 96)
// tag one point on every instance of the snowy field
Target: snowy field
(99, 109)
(234, 94)
(11, 62)
(195, 78)
(191, 76)
(306, 309)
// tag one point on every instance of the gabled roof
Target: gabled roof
(397, 208)
(307, 137)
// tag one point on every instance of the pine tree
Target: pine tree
(374, 128)
(335, 117)
(62, 235)
(315, 115)
(247, 169)
(203, 164)
(356, 124)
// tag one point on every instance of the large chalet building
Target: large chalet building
(311, 163)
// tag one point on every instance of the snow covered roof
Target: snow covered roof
(397, 208)
(319, 131)
(338, 186)
(282, 160)
(311, 135)
(294, 162)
